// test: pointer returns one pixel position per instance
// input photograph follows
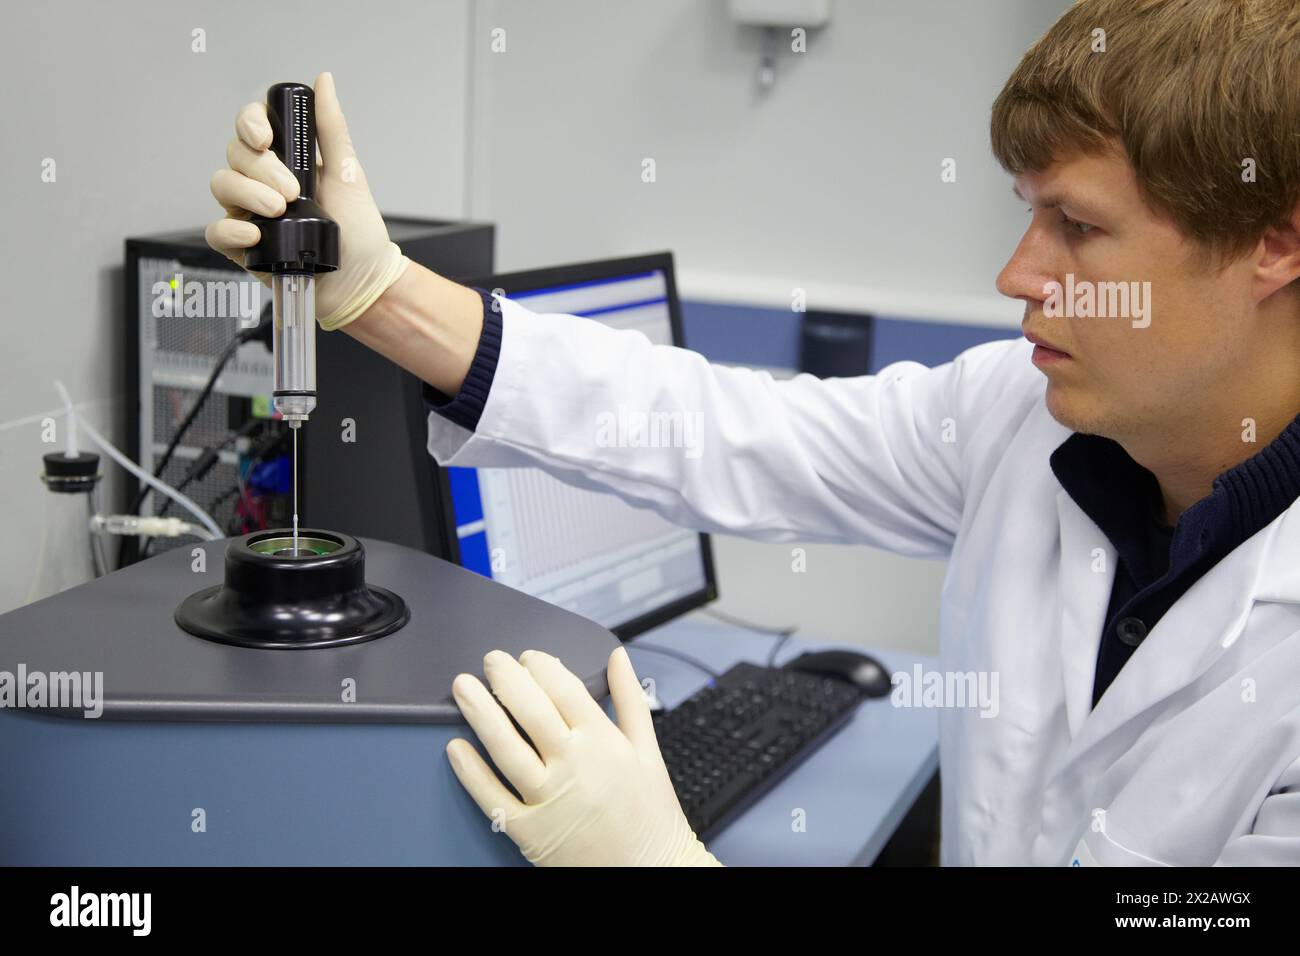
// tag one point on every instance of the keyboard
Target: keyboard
(733, 740)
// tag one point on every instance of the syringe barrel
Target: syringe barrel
(294, 309)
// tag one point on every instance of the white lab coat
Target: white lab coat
(1190, 757)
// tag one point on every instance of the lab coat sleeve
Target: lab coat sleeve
(1274, 839)
(871, 460)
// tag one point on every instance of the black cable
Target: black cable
(189, 418)
(209, 457)
(747, 625)
(221, 499)
(272, 441)
(776, 648)
(782, 633)
(199, 469)
(669, 652)
(263, 331)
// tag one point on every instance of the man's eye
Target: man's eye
(1076, 227)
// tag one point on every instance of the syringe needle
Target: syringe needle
(295, 489)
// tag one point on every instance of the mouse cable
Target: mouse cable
(726, 618)
(669, 652)
(783, 633)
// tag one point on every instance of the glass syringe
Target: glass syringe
(294, 247)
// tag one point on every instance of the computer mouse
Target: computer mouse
(862, 670)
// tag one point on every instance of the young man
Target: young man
(1115, 494)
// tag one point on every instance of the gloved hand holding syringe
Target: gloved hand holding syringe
(285, 233)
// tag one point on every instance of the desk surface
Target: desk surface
(854, 790)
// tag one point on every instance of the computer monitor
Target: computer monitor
(623, 567)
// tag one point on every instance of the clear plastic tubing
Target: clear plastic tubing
(294, 311)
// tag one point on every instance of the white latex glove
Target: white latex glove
(258, 182)
(594, 794)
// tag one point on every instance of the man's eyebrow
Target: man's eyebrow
(1052, 200)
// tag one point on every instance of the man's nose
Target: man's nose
(1028, 271)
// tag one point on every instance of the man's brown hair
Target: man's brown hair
(1190, 89)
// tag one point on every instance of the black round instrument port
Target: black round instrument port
(283, 595)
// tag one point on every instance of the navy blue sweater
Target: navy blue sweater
(467, 407)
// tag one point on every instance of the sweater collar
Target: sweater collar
(1122, 497)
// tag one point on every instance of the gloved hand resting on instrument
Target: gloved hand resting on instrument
(258, 182)
(594, 794)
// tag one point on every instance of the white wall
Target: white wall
(137, 123)
(831, 183)
(844, 595)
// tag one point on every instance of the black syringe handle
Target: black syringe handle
(291, 108)
(304, 238)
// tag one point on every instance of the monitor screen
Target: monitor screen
(623, 567)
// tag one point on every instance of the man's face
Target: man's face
(1194, 326)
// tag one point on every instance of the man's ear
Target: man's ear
(1278, 262)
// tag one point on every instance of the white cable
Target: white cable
(52, 413)
(135, 469)
(70, 430)
(151, 526)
